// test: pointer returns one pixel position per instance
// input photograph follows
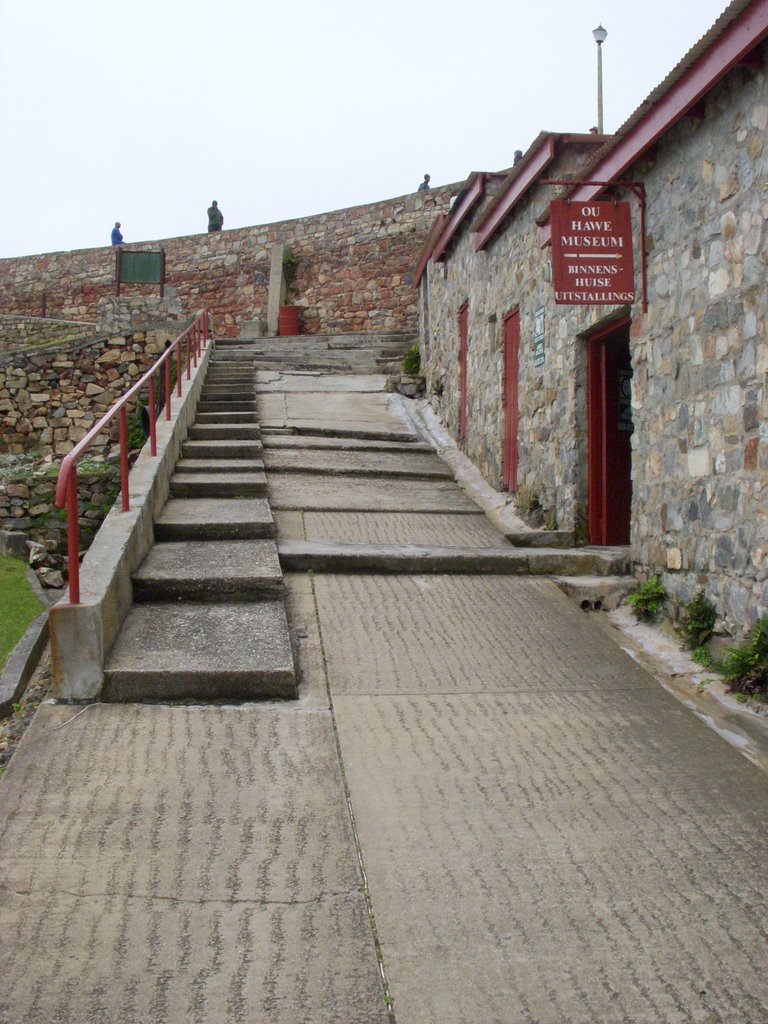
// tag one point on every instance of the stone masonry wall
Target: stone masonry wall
(51, 396)
(699, 357)
(23, 332)
(353, 270)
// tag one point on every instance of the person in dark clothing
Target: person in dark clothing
(424, 186)
(117, 238)
(215, 217)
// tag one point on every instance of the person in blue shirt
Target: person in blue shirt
(117, 238)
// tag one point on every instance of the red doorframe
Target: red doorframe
(609, 430)
(511, 403)
(463, 371)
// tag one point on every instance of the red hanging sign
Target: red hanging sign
(592, 262)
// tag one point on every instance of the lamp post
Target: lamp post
(600, 36)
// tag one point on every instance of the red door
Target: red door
(511, 406)
(463, 372)
(609, 400)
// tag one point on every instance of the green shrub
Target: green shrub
(648, 598)
(412, 361)
(698, 621)
(745, 667)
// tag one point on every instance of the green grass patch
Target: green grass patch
(19, 605)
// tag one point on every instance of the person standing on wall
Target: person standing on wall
(424, 186)
(215, 217)
(117, 238)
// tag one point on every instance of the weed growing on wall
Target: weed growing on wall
(698, 621)
(745, 667)
(412, 361)
(647, 600)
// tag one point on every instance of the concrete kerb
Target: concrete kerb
(23, 659)
(82, 634)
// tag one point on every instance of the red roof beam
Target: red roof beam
(473, 194)
(730, 49)
(426, 252)
(517, 189)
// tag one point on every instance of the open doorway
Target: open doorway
(609, 419)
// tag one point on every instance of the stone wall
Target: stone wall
(18, 332)
(353, 270)
(50, 397)
(699, 357)
(27, 493)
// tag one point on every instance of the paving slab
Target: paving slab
(289, 440)
(333, 412)
(189, 518)
(199, 651)
(316, 381)
(356, 494)
(205, 570)
(478, 634)
(414, 464)
(548, 836)
(588, 859)
(184, 865)
(446, 530)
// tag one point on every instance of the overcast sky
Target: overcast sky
(143, 111)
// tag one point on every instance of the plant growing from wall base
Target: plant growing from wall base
(647, 600)
(745, 667)
(412, 361)
(698, 621)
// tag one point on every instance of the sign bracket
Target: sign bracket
(637, 188)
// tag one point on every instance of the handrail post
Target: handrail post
(205, 329)
(73, 539)
(168, 389)
(123, 431)
(189, 357)
(194, 342)
(152, 428)
(179, 371)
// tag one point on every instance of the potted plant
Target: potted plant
(289, 323)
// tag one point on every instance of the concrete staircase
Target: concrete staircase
(336, 353)
(208, 620)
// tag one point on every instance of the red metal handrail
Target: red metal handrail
(193, 340)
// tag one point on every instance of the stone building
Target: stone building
(642, 419)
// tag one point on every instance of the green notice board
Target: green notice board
(141, 267)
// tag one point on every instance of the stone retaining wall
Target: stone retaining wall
(26, 332)
(27, 501)
(353, 270)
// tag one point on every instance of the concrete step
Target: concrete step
(223, 570)
(227, 392)
(226, 417)
(235, 404)
(346, 353)
(341, 557)
(411, 465)
(214, 519)
(288, 440)
(221, 449)
(224, 431)
(241, 484)
(219, 466)
(202, 651)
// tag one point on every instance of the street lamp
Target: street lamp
(600, 36)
